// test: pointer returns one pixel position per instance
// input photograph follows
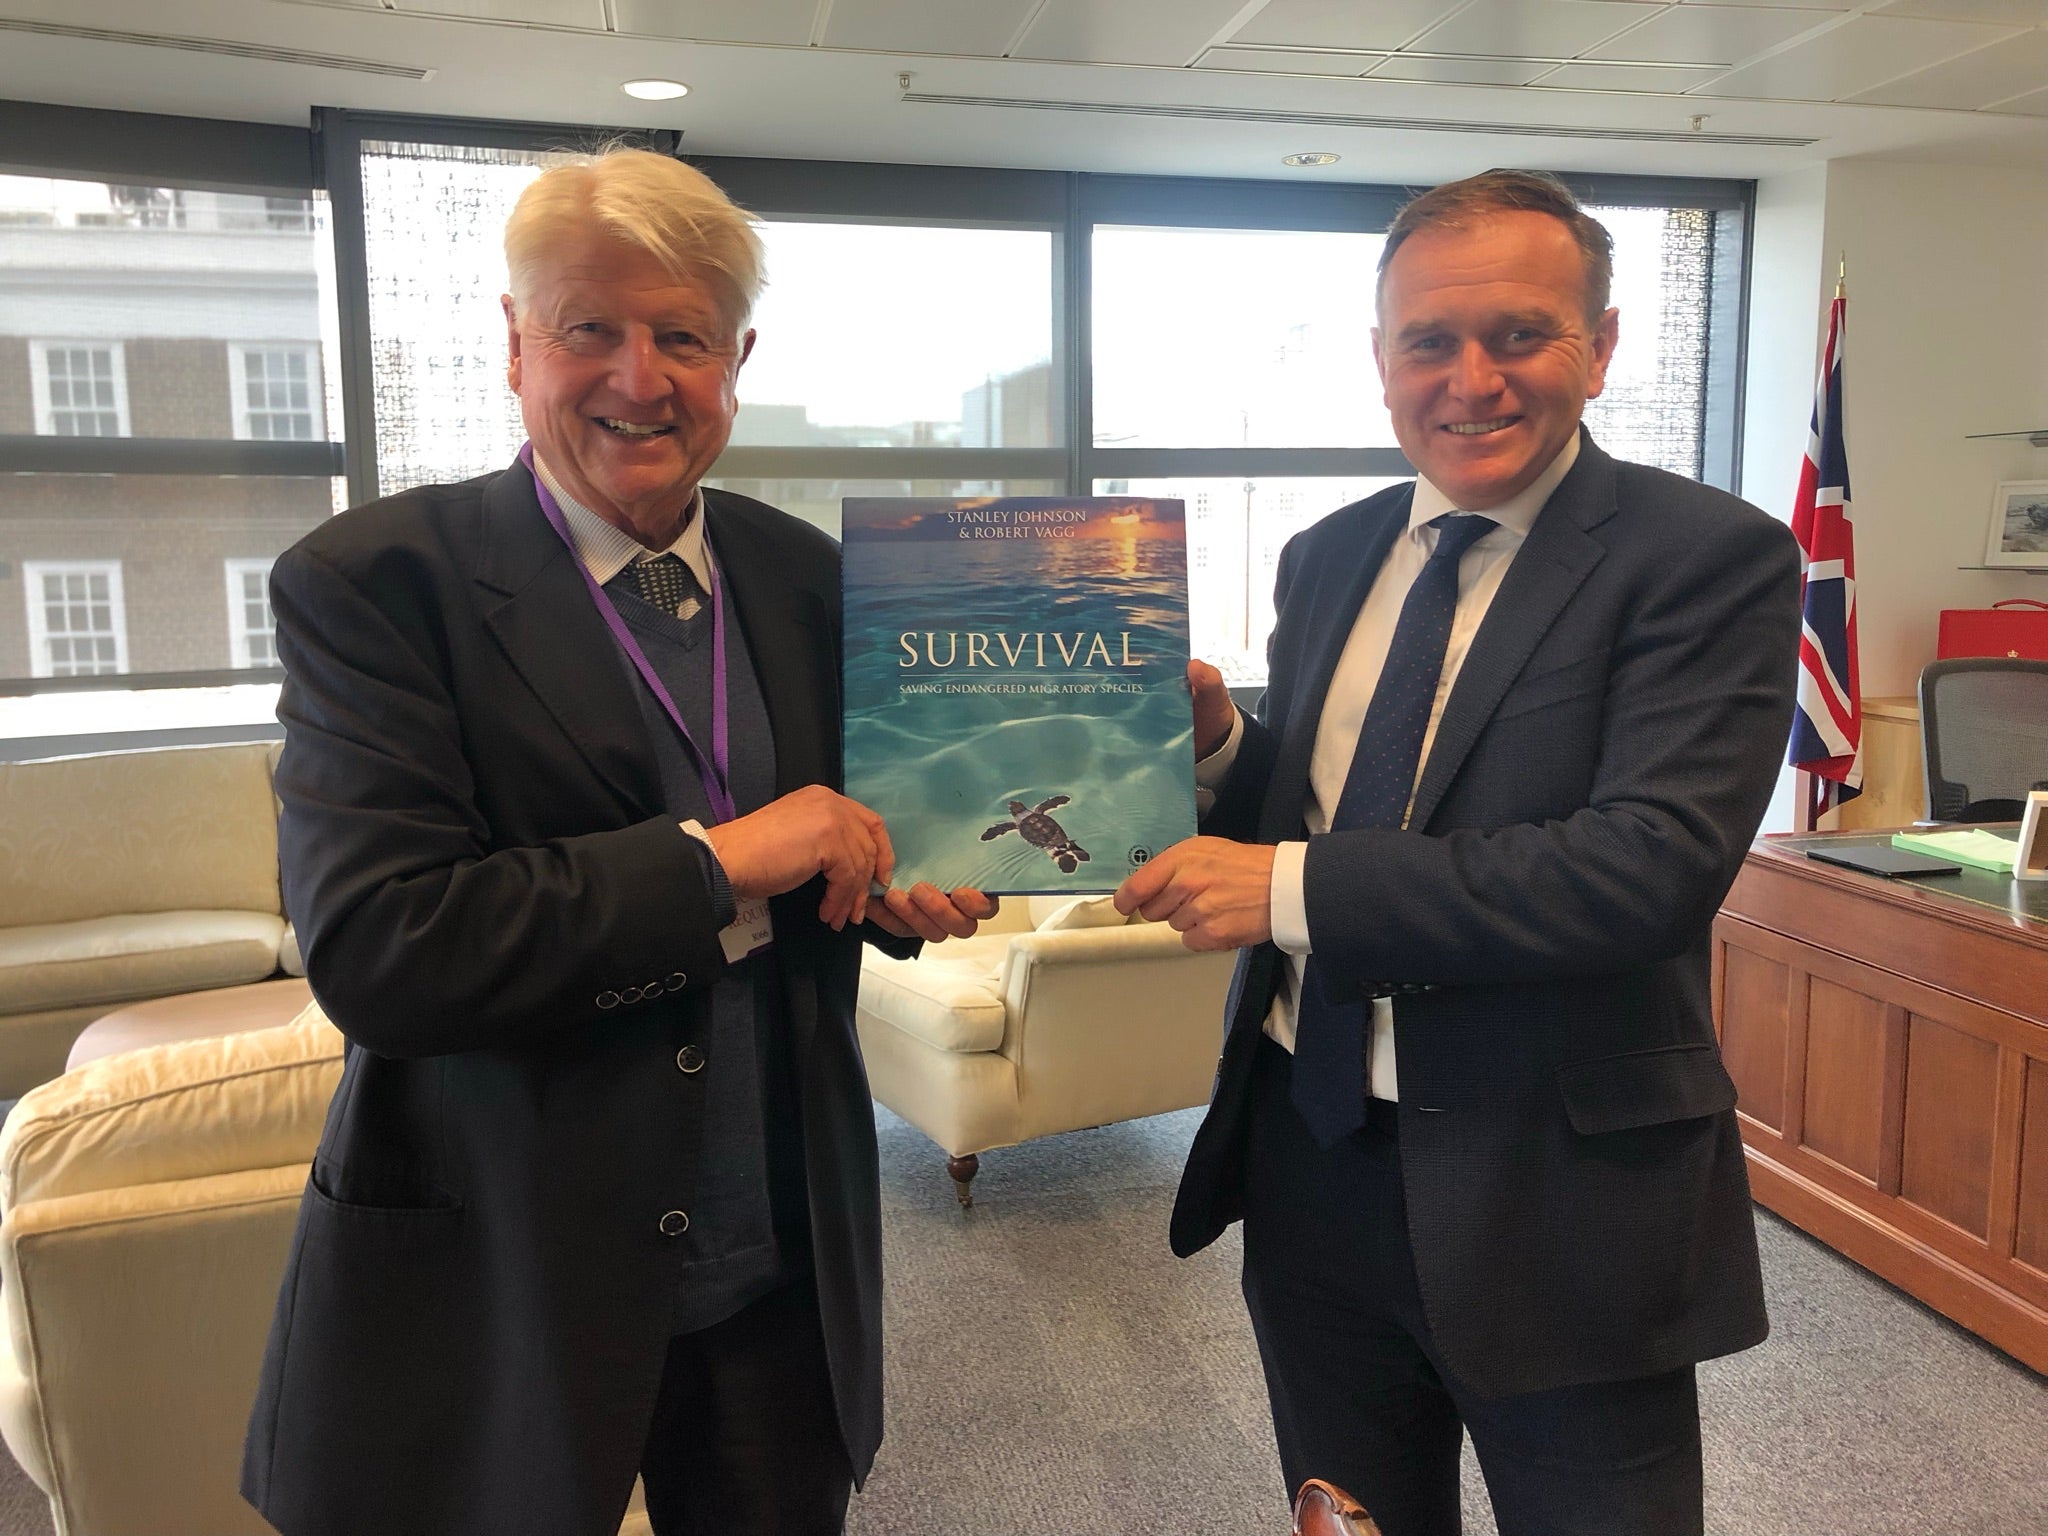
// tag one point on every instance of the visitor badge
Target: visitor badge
(752, 931)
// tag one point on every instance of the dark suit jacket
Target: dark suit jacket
(1577, 1201)
(475, 851)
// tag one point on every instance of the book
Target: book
(1016, 686)
(1972, 846)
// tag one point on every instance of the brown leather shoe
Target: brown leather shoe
(1324, 1509)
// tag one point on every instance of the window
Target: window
(170, 409)
(81, 388)
(276, 393)
(252, 629)
(76, 623)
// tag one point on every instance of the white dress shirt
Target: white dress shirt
(1480, 571)
(607, 549)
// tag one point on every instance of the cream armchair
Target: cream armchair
(1058, 1015)
(147, 1201)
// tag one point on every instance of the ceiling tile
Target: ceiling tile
(1792, 5)
(2015, 13)
(1710, 34)
(2010, 68)
(1127, 31)
(927, 26)
(1459, 71)
(1625, 77)
(1556, 29)
(719, 21)
(1859, 55)
(2034, 104)
(1272, 62)
(1344, 23)
(587, 14)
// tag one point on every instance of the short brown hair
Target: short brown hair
(1460, 204)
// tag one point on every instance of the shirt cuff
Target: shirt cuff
(1213, 771)
(724, 908)
(1289, 902)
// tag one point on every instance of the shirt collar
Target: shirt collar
(1518, 512)
(606, 549)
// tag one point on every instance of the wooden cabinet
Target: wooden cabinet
(1894, 770)
(1889, 1042)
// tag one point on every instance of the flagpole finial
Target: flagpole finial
(1842, 277)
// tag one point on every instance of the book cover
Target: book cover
(1016, 686)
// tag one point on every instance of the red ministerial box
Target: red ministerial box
(2016, 627)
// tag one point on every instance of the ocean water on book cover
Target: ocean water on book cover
(1016, 695)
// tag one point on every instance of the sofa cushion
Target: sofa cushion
(183, 828)
(950, 997)
(187, 1110)
(145, 954)
(190, 1016)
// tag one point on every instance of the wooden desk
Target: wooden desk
(1889, 1042)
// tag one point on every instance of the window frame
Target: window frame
(238, 568)
(39, 349)
(192, 154)
(33, 573)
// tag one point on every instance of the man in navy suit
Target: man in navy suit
(562, 835)
(1523, 718)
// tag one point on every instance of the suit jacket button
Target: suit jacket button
(677, 981)
(607, 999)
(675, 1223)
(689, 1059)
(629, 994)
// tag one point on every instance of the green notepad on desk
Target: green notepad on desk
(1971, 845)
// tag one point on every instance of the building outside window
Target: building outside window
(77, 626)
(81, 388)
(252, 629)
(276, 392)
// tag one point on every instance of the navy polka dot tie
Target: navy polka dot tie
(665, 582)
(1329, 1080)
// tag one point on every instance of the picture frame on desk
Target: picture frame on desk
(2018, 533)
(2031, 862)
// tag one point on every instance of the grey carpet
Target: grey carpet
(1053, 1371)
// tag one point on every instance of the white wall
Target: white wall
(1948, 335)
(1784, 349)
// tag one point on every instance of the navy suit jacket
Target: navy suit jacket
(516, 938)
(1577, 1200)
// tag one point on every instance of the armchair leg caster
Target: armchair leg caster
(963, 1170)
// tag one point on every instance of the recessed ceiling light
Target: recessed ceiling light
(1311, 157)
(655, 90)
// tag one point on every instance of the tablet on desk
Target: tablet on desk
(1882, 859)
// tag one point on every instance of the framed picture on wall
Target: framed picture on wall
(2018, 535)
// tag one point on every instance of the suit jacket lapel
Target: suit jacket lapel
(533, 599)
(792, 641)
(1550, 566)
(1341, 587)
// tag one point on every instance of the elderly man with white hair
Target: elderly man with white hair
(563, 844)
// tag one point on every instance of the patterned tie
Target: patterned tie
(665, 582)
(1329, 1081)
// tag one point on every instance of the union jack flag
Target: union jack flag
(1827, 729)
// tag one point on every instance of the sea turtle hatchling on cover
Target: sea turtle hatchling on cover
(1041, 831)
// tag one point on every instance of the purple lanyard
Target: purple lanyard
(715, 770)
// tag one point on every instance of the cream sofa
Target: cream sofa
(146, 1204)
(1056, 1016)
(130, 875)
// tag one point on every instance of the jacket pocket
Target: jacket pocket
(1639, 1088)
(1557, 685)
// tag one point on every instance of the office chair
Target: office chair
(1984, 735)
